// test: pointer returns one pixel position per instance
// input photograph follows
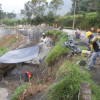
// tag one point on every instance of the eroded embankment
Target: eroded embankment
(12, 75)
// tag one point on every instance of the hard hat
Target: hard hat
(43, 33)
(88, 33)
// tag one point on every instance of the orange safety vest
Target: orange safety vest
(79, 32)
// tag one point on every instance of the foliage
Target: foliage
(39, 7)
(11, 15)
(27, 11)
(4, 14)
(98, 10)
(84, 5)
(68, 87)
(18, 91)
(81, 21)
(57, 51)
(13, 22)
(3, 50)
(55, 5)
(49, 18)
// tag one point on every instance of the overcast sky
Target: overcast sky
(16, 5)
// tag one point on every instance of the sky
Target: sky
(16, 5)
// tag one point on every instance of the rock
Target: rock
(85, 91)
(82, 63)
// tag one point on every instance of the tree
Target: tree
(55, 5)
(11, 15)
(84, 5)
(49, 17)
(98, 10)
(2, 14)
(39, 7)
(0, 11)
(27, 11)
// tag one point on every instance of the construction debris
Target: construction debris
(71, 45)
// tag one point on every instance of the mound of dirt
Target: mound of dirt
(11, 41)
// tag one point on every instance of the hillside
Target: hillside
(58, 76)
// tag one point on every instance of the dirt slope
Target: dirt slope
(11, 41)
(95, 72)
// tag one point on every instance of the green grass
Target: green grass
(18, 91)
(69, 75)
(3, 50)
(68, 87)
(58, 50)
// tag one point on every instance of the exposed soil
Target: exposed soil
(46, 77)
(95, 72)
(9, 40)
(13, 75)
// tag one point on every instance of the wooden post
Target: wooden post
(30, 85)
(74, 17)
(39, 82)
(24, 93)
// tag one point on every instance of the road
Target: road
(83, 37)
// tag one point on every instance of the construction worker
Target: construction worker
(95, 48)
(27, 75)
(79, 33)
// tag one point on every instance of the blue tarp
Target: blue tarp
(20, 55)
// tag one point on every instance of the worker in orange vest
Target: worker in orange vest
(27, 74)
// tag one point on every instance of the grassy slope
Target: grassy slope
(67, 88)
(18, 91)
(56, 51)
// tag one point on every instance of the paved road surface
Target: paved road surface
(83, 34)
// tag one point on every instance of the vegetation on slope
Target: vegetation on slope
(70, 75)
(18, 91)
(68, 87)
(3, 50)
(57, 51)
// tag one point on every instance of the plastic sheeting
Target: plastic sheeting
(71, 45)
(20, 55)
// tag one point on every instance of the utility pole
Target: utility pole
(74, 17)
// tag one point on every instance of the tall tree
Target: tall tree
(55, 5)
(11, 15)
(27, 11)
(84, 5)
(98, 9)
(2, 14)
(39, 7)
(0, 11)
